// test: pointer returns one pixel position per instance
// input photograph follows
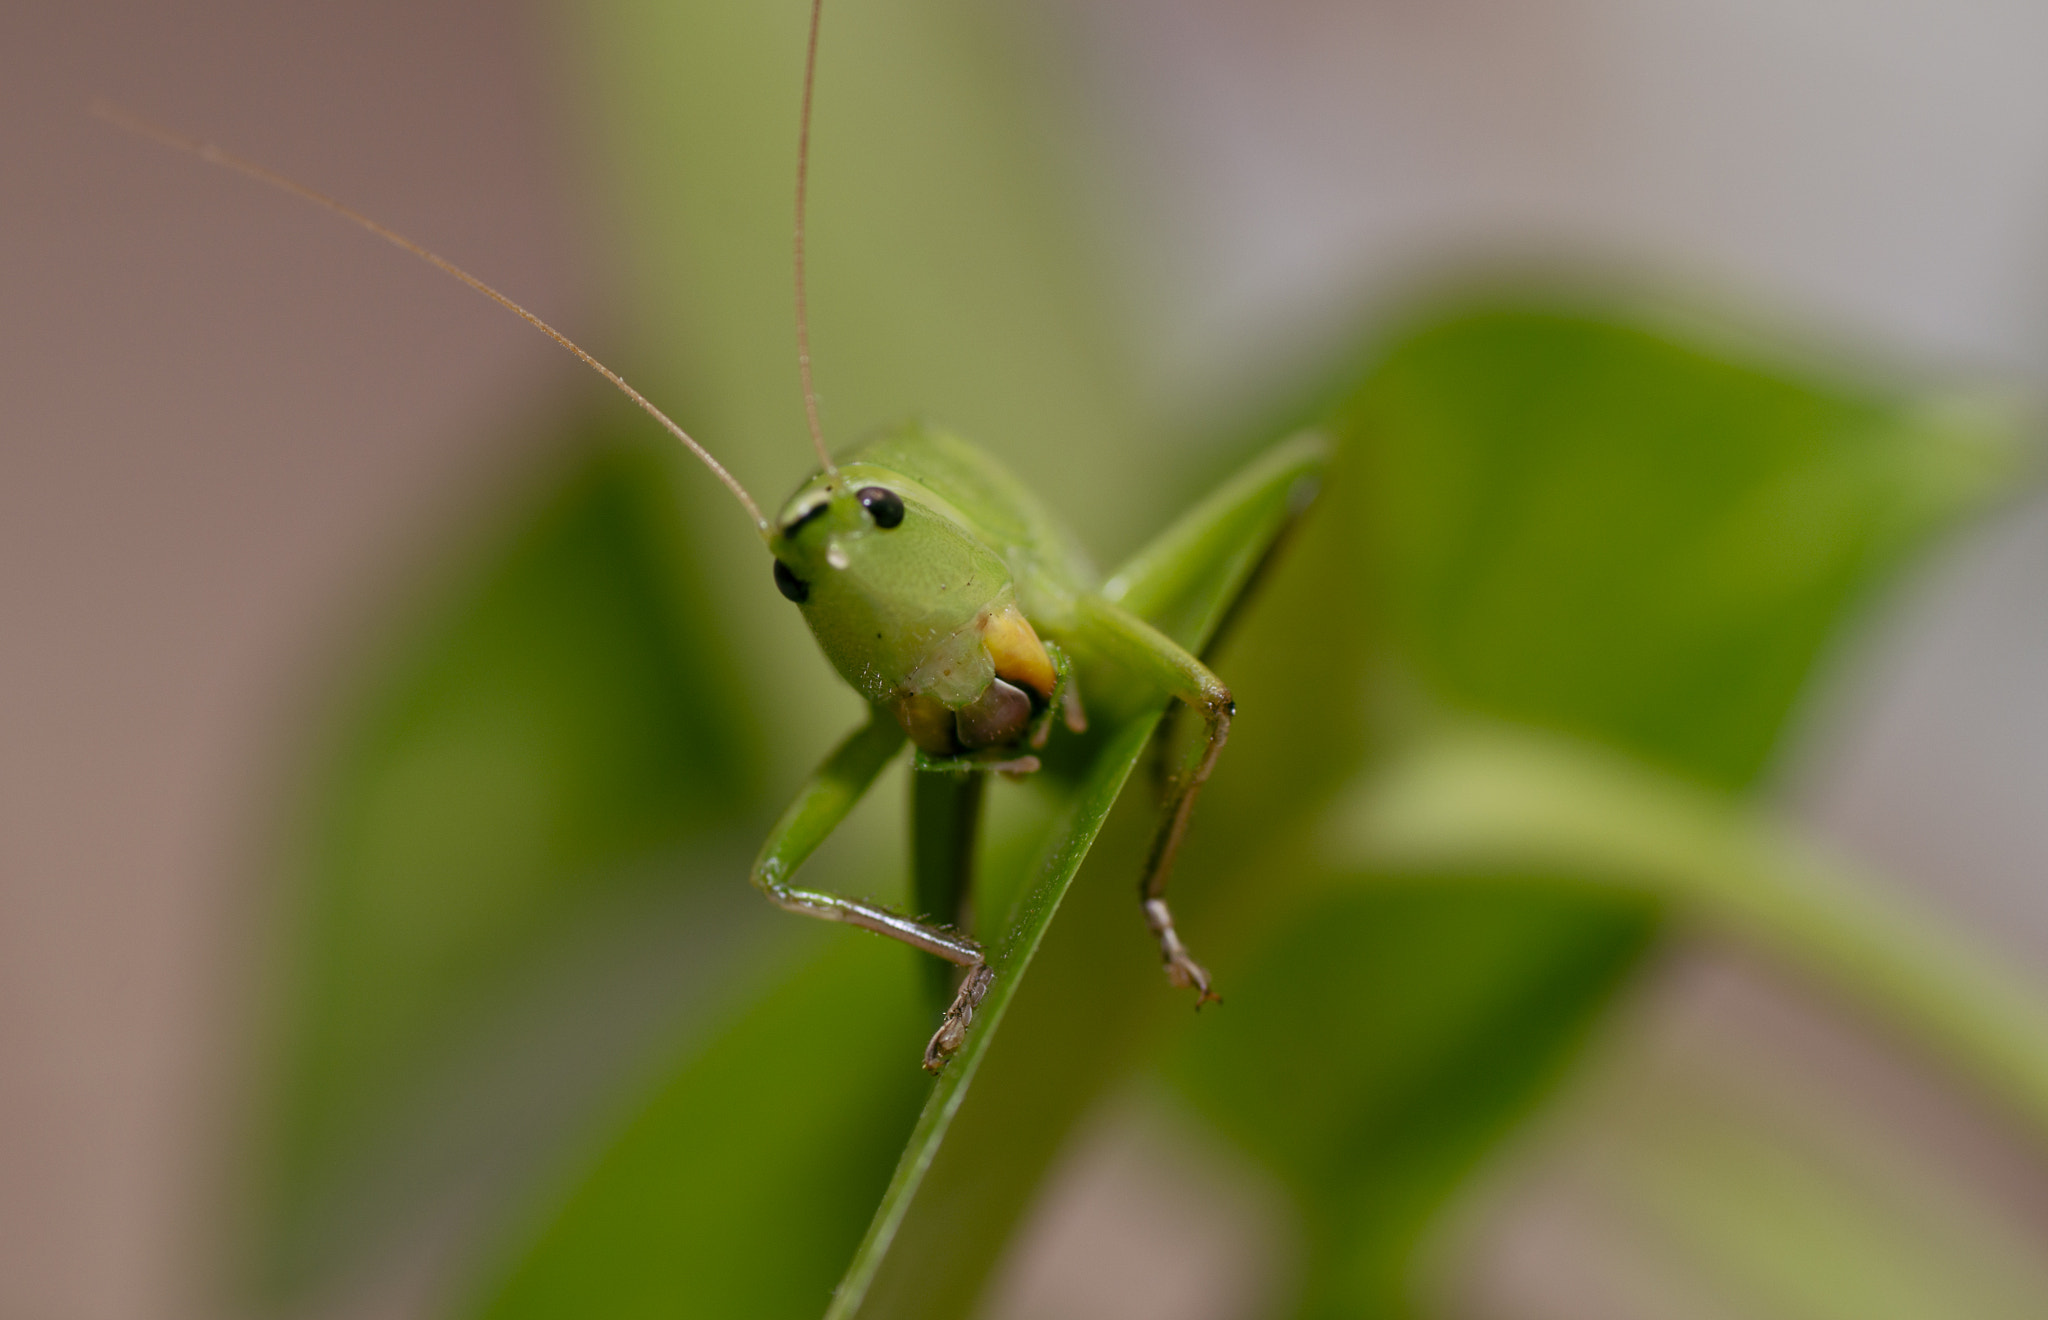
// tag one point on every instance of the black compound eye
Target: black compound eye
(885, 506)
(790, 585)
(815, 511)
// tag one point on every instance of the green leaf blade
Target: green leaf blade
(1583, 522)
(1571, 520)
(1087, 806)
(693, 1207)
(559, 717)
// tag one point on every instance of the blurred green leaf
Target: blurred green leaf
(1582, 523)
(739, 1187)
(945, 271)
(1560, 518)
(1375, 1051)
(559, 717)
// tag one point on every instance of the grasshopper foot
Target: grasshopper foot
(1188, 974)
(953, 1027)
(1181, 969)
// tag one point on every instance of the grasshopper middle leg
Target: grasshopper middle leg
(1235, 532)
(1217, 708)
(1143, 649)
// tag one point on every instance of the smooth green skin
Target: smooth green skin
(972, 535)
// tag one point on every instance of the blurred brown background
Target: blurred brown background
(194, 368)
(195, 372)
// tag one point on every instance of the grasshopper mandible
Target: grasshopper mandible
(957, 605)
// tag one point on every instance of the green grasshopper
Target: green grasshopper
(952, 600)
(959, 607)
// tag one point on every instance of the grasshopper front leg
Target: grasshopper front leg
(820, 805)
(1130, 642)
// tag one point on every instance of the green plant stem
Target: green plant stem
(1513, 801)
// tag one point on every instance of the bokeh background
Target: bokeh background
(251, 458)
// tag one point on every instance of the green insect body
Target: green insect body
(946, 594)
(951, 599)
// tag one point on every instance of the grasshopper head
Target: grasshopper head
(911, 608)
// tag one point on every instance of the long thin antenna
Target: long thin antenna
(213, 155)
(803, 310)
